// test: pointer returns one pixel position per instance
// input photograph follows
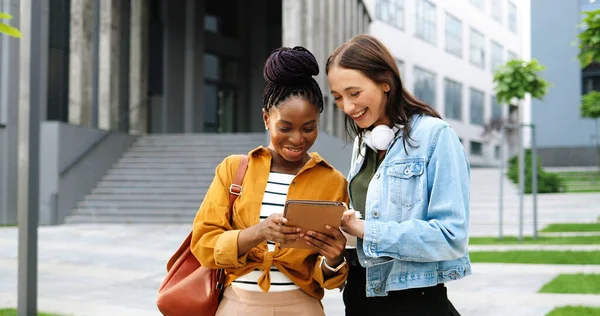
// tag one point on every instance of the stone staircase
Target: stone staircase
(161, 178)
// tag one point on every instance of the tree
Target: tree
(589, 53)
(514, 80)
(7, 29)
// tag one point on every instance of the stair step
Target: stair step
(131, 205)
(155, 184)
(146, 191)
(133, 212)
(221, 148)
(147, 165)
(111, 219)
(174, 154)
(173, 160)
(195, 197)
(159, 178)
(208, 172)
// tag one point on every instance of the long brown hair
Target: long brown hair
(369, 56)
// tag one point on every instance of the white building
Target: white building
(447, 50)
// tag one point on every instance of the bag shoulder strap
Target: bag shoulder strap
(235, 189)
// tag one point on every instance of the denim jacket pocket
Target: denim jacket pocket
(406, 183)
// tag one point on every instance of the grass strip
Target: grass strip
(537, 257)
(574, 311)
(541, 240)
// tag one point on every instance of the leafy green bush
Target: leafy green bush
(547, 182)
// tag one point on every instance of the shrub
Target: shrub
(547, 182)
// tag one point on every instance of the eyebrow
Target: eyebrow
(348, 88)
(290, 123)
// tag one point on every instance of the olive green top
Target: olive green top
(360, 182)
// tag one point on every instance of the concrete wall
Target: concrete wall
(61, 144)
(561, 130)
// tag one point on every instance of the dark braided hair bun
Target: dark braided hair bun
(289, 72)
(289, 66)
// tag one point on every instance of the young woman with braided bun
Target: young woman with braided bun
(262, 278)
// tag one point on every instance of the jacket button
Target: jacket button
(376, 290)
(376, 214)
(377, 176)
(407, 171)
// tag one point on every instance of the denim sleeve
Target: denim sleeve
(443, 235)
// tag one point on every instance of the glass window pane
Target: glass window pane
(476, 106)
(425, 86)
(211, 67)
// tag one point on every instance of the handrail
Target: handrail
(99, 140)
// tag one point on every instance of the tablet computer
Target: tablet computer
(312, 215)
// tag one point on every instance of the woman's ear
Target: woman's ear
(386, 88)
(265, 118)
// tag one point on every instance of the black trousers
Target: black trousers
(429, 301)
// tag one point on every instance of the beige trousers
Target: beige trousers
(238, 302)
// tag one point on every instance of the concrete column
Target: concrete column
(198, 104)
(138, 75)
(189, 73)
(80, 63)
(292, 22)
(108, 84)
(9, 116)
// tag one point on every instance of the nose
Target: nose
(347, 106)
(297, 139)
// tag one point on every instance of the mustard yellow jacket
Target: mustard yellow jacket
(214, 240)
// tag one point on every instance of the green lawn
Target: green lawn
(13, 312)
(540, 257)
(573, 284)
(575, 311)
(581, 181)
(571, 227)
(542, 240)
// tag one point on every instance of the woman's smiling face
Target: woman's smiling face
(293, 128)
(358, 96)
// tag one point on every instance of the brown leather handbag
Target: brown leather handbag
(189, 289)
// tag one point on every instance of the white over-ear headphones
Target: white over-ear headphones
(380, 137)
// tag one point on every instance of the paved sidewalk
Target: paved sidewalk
(116, 270)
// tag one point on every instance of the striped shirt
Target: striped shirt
(273, 202)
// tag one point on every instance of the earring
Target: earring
(266, 128)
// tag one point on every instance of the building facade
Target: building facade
(564, 138)
(157, 66)
(447, 52)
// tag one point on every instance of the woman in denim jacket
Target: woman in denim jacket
(409, 180)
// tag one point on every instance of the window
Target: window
(391, 12)
(426, 21)
(453, 35)
(477, 49)
(400, 65)
(479, 4)
(476, 106)
(497, 152)
(512, 55)
(476, 148)
(497, 10)
(425, 85)
(512, 17)
(496, 108)
(453, 99)
(497, 55)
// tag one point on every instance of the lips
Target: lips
(359, 115)
(293, 152)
